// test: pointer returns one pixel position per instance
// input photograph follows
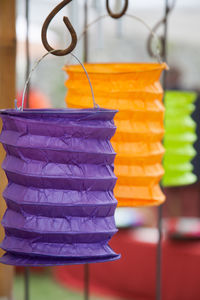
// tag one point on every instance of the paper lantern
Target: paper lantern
(59, 165)
(135, 90)
(179, 138)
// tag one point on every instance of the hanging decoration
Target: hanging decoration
(179, 138)
(59, 165)
(134, 89)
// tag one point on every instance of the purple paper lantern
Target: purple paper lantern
(60, 203)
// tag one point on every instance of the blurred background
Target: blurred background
(109, 40)
(115, 41)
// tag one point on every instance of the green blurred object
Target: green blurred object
(180, 135)
(44, 287)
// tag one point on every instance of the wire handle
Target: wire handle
(69, 27)
(157, 51)
(95, 105)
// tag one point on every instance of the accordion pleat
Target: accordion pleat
(135, 90)
(60, 202)
(179, 138)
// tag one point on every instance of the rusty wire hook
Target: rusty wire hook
(156, 27)
(119, 15)
(69, 27)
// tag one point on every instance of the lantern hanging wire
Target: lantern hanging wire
(95, 105)
(156, 50)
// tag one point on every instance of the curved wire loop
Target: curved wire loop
(37, 64)
(117, 15)
(69, 27)
(156, 50)
(156, 27)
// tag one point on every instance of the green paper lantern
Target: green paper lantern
(179, 138)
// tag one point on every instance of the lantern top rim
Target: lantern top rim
(57, 112)
(117, 68)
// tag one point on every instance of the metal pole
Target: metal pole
(26, 283)
(160, 208)
(159, 256)
(165, 53)
(27, 51)
(86, 281)
(85, 41)
(26, 269)
(85, 59)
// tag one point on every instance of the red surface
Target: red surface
(33, 269)
(182, 201)
(36, 100)
(133, 276)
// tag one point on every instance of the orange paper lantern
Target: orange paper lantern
(135, 90)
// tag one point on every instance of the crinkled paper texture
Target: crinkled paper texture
(134, 89)
(60, 202)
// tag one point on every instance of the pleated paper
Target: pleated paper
(59, 165)
(135, 90)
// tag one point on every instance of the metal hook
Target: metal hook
(155, 28)
(68, 25)
(119, 15)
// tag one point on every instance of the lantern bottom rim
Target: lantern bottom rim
(27, 261)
